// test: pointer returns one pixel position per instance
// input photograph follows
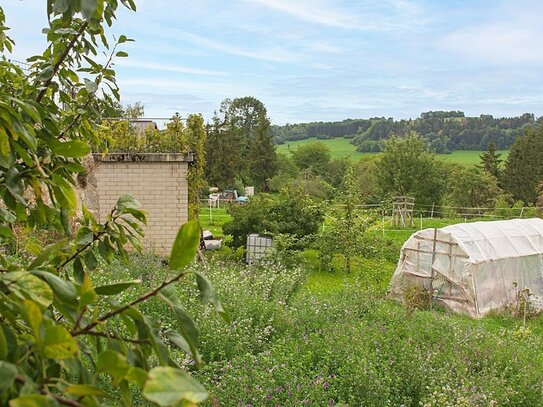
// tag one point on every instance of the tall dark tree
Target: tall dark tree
(262, 155)
(524, 166)
(221, 166)
(490, 160)
(240, 145)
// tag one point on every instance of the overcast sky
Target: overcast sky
(322, 59)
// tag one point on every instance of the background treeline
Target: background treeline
(235, 149)
(407, 167)
(442, 131)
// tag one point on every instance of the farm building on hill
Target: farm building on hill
(474, 268)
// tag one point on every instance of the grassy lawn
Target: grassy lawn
(468, 157)
(340, 147)
(212, 219)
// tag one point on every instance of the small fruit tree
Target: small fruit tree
(60, 336)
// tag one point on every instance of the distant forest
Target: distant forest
(442, 131)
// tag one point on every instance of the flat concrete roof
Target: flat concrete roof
(147, 157)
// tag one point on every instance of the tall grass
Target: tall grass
(299, 338)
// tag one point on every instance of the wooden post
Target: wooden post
(432, 269)
(432, 214)
(450, 262)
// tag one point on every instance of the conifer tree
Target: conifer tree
(524, 166)
(240, 145)
(490, 160)
(263, 157)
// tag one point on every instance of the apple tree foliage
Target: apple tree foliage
(64, 341)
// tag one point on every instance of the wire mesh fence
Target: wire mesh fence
(23, 66)
(215, 210)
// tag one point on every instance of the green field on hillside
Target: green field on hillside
(341, 147)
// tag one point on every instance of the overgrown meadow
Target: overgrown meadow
(303, 337)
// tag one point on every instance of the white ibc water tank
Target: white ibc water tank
(257, 247)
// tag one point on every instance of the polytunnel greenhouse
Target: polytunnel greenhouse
(474, 268)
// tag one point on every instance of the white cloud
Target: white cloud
(512, 34)
(168, 68)
(364, 15)
(498, 43)
(275, 54)
(309, 11)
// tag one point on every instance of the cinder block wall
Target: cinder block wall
(157, 181)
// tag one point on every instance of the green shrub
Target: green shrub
(289, 213)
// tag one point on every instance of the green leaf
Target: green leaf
(167, 386)
(126, 394)
(72, 149)
(86, 292)
(185, 245)
(79, 271)
(63, 289)
(58, 343)
(65, 195)
(3, 344)
(65, 220)
(33, 315)
(129, 4)
(91, 86)
(88, 7)
(127, 201)
(88, 215)
(137, 376)
(179, 340)
(48, 252)
(84, 236)
(7, 216)
(138, 214)
(115, 288)
(114, 364)
(33, 400)
(90, 260)
(187, 339)
(65, 31)
(61, 6)
(105, 249)
(121, 54)
(82, 390)
(209, 295)
(8, 373)
(30, 287)
(4, 143)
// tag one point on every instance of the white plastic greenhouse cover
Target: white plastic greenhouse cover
(474, 268)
